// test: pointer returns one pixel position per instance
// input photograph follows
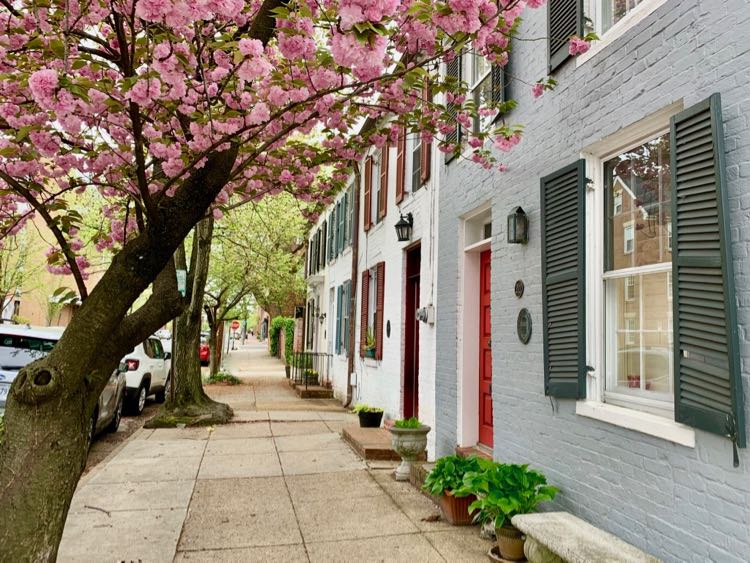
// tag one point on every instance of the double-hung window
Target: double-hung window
(480, 83)
(640, 317)
(375, 181)
(637, 316)
(416, 162)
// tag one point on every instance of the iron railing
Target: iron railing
(311, 369)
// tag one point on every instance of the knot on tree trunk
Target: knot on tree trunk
(36, 383)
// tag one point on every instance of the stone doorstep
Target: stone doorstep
(553, 537)
(477, 450)
(313, 392)
(371, 443)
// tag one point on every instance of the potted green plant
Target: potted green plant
(370, 344)
(504, 490)
(409, 439)
(444, 483)
(369, 417)
(311, 377)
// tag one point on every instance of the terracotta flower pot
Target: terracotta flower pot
(510, 542)
(456, 509)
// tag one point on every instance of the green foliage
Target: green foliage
(370, 343)
(448, 474)
(274, 332)
(223, 378)
(412, 422)
(289, 343)
(504, 490)
(362, 407)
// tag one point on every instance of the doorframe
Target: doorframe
(407, 251)
(467, 431)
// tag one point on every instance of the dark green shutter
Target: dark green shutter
(323, 245)
(335, 228)
(346, 219)
(564, 19)
(338, 318)
(708, 385)
(563, 281)
(453, 71)
(342, 234)
(347, 293)
(331, 229)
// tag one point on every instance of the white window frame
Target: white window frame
(633, 18)
(617, 204)
(377, 162)
(628, 226)
(416, 146)
(468, 64)
(593, 406)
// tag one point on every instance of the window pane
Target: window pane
(639, 194)
(639, 336)
(614, 10)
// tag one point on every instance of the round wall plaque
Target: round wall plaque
(519, 287)
(388, 329)
(523, 325)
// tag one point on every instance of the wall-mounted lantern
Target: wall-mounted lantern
(518, 227)
(322, 318)
(403, 227)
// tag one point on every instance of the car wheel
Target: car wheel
(91, 432)
(161, 395)
(115, 423)
(138, 401)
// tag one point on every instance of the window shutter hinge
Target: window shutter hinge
(732, 435)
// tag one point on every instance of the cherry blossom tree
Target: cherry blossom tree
(173, 110)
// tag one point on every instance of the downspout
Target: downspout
(355, 277)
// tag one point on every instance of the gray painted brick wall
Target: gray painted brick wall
(679, 503)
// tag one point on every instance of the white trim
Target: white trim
(633, 18)
(480, 246)
(643, 422)
(638, 271)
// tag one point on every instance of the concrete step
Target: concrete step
(370, 443)
(313, 392)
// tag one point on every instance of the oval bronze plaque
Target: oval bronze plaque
(523, 325)
(519, 287)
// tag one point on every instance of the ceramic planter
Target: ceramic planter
(409, 443)
(370, 419)
(510, 542)
(369, 352)
(456, 509)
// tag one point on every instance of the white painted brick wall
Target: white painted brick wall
(679, 503)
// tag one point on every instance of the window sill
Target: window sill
(646, 423)
(641, 12)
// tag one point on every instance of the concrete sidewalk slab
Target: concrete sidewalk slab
(240, 465)
(153, 495)
(409, 547)
(319, 461)
(242, 430)
(164, 448)
(272, 554)
(348, 485)
(229, 446)
(342, 519)
(298, 428)
(142, 470)
(297, 443)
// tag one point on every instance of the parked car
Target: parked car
(21, 345)
(147, 374)
(204, 350)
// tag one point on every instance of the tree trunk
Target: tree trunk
(213, 333)
(52, 400)
(191, 405)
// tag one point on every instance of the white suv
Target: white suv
(148, 374)
(21, 345)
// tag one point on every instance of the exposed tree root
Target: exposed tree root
(206, 413)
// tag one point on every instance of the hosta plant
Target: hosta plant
(448, 474)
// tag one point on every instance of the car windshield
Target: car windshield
(17, 350)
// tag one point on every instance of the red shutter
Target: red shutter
(368, 194)
(383, 195)
(400, 166)
(379, 311)
(363, 313)
(426, 155)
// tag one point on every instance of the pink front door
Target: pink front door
(485, 351)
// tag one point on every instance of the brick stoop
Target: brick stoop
(313, 392)
(478, 451)
(371, 443)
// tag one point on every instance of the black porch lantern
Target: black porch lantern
(518, 226)
(403, 227)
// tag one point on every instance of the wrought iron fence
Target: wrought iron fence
(311, 369)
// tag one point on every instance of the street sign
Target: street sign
(235, 325)
(181, 281)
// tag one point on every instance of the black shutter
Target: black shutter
(453, 70)
(564, 19)
(323, 241)
(563, 281)
(708, 385)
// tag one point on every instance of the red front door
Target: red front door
(485, 351)
(411, 334)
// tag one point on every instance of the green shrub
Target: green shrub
(448, 474)
(289, 343)
(504, 490)
(223, 378)
(274, 332)
(361, 407)
(412, 422)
